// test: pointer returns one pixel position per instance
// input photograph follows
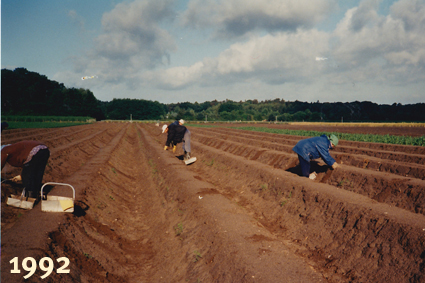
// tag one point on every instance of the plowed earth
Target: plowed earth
(239, 214)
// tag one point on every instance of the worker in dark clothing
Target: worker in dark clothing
(313, 148)
(32, 156)
(177, 133)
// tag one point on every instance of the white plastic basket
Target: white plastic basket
(58, 203)
(190, 161)
(21, 201)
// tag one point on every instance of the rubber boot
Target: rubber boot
(26, 193)
(31, 194)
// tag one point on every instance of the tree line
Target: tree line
(281, 110)
(29, 93)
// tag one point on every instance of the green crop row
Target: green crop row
(46, 119)
(42, 125)
(402, 140)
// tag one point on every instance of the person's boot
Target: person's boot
(32, 194)
(26, 193)
(187, 156)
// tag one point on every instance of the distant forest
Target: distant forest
(29, 93)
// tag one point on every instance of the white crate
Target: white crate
(58, 203)
(20, 201)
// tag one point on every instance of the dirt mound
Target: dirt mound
(239, 214)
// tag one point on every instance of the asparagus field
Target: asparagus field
(241, 213)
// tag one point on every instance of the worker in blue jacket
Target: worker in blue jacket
(313, 148)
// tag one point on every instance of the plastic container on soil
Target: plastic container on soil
(21, 201)
(58, 203)
(190, 161)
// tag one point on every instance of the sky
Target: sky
(203, 50)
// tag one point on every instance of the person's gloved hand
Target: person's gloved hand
(313, 176)
(16, 178)
(335, 165)
(165, 147)
(174, 148)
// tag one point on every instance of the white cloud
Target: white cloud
(388, 48)
(77, 19)
(363, 15)
(274, 59)
(132, 42)
(366, 49)
(411, 12)
(231, 18)
(177, 77)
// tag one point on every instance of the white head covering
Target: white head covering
(181, 121)
(164, 128)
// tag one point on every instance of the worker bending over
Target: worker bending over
(313, 148)
(177, 133)
(32, 156)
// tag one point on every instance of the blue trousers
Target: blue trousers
(305, 166)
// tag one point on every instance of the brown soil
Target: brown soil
(239, 214)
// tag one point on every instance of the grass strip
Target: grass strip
(390, 139)
(42, 125)
(17, 118)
